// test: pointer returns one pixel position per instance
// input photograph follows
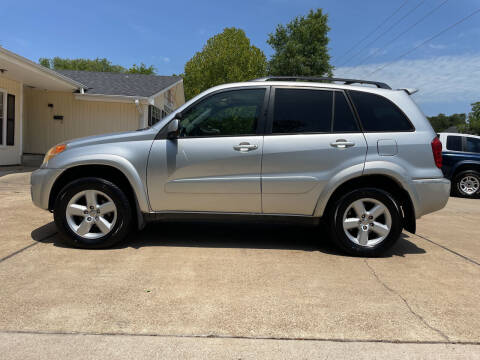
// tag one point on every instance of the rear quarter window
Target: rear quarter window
(454, 143)
(378, 114)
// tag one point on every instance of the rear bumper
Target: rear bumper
(42, 181)
(432, 195)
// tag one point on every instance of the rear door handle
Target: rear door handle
(342, 144)
(244, 147)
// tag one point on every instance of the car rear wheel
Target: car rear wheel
(467, 184)
(366, 222)
(92, 213)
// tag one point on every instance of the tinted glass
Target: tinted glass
(10, 119)
(379, 114)
(302, 111)
(472, 145)
(343, 118)
(454, 143)
(228, 113)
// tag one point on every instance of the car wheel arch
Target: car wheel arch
(465, 166)
(108, 172)
(381, 181)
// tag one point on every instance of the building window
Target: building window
(154, 115)
(10, 133)
(7, 119)
(167, 109)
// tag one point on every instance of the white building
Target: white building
(40, 107)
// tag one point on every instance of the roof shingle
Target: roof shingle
(109, 83)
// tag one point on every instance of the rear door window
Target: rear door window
(472, 145)
(302, 111)
(378, 114)
(454, 143)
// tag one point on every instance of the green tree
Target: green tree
(474, 119)
(141, 69)
(98, 64)
(442, 122)
(227, 57)
(45, 62)
(301, 47)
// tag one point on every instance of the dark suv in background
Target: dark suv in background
(461, 163)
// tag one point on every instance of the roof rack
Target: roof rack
(324, 79)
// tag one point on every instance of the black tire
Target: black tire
(457, 190)
(121, 227)
(335, 219)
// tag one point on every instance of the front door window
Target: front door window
(230, 113)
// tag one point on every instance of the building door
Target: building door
(10, 153)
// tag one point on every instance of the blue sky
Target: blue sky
(168, 33)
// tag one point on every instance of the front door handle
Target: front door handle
(342, 144)
(245, 146)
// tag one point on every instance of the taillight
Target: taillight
(437, 152)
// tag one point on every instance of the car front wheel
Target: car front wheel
(467, 184)
(366, 222)
(92, 213)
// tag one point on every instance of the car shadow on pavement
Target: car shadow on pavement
(16, 169)
(242, 236)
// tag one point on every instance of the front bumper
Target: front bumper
(42, 181)
(432, 195)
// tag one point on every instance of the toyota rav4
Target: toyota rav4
(354, 153)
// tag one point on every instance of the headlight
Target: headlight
(54, 151)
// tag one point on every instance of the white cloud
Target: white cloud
(437, 46)
(440, 79)
(166, 59)
(376, 52)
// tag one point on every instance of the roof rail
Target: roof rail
(324, 79)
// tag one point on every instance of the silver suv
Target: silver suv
(363, 158)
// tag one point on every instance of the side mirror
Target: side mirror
(178, 115)
(172, 129)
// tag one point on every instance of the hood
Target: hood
(136, 135)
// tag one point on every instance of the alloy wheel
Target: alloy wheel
(91, 214)
(367, 222)
(469, 185)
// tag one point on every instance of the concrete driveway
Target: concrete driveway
(233, 291)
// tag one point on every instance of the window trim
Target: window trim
(259, 131)
(354, 114)
(380, 131)
(271, 106)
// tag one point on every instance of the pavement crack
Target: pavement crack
(449, 250)
(417, 315)
(220, 336)
(26, 247)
